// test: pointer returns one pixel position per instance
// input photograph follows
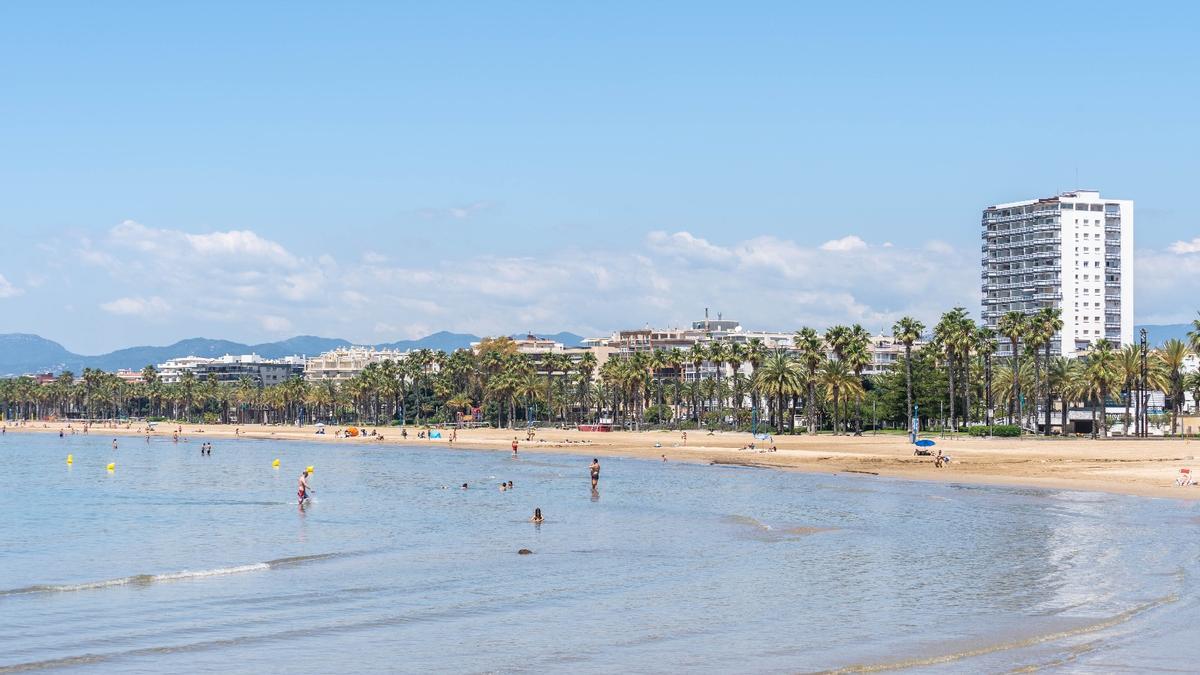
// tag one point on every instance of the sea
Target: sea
(174, 561)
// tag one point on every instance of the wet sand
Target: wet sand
(1136, 467)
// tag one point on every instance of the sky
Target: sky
(378, 171)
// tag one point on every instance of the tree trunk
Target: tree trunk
(950, 375)
(1049, 400)
(908, 384)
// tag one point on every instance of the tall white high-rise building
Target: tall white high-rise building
(1073, 251)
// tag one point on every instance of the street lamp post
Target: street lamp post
(1142, 397)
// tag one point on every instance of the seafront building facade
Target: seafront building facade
(341, 364)
(230, 369)
(1072, 251)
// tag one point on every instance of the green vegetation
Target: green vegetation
(954, 382)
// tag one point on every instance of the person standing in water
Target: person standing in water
(595, 468)
(514, 447)
(302, 488)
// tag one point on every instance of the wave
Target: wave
(147, 579)
(1109, 622)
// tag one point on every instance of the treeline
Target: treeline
(951, 375)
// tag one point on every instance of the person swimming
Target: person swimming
(510, 485)
(537, 516)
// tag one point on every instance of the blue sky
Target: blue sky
(381, 170)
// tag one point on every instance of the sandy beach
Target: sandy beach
(1145, 468)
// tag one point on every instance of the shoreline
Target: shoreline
(1143, 468)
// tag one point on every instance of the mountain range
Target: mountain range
(25, 353)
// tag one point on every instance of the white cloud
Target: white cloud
(239, 243)
(7, 290)
(241, 281)
(937, 246)
(684, 245)
(1185, 247)
(144, 307)
(274, 324)
(1164, 281)
(848, 243)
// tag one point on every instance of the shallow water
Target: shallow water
(176, 562)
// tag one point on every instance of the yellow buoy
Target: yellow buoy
(111, 466)
(70, 459)
(309, 469)
(275, 464)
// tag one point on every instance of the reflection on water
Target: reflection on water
(178, 562)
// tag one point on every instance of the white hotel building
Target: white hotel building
(1073, 251)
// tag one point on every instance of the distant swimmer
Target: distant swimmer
(595, 468)
(503, 487)
(114, 444)
(510, 485)
(302, 488)
(464, 486)
(537, 516)
(60, 433)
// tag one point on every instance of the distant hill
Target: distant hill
(25, 353)
(442, 340)
(1158, 334)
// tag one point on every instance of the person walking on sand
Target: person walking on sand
(685, 439)
(303, 488)
(595, 469)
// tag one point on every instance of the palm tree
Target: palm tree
(948, 333)
(779, 377)
(756, 352)
(1013, 326)
(857, 354)
(1172, 356)
(1061, 376)
(1101, 375)
(1194, 337)
(985, 346)
(812, 352)
(1049, 323)
(837, 379)
(697, 355)
(736, 354)
(1129, 366)
(906, 331)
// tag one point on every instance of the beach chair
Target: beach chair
(1185, 478)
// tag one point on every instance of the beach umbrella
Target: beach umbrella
(925, 443)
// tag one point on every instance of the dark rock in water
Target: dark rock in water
(524, 551)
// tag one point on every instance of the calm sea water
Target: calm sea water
(178, 562)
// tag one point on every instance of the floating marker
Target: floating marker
(70, 459)
(111, 466)
(309, 469)
(275, 464)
